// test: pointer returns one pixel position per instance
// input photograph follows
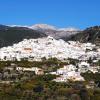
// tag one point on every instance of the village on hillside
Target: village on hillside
(33, 65)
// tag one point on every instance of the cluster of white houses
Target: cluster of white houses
(67, 72)
(38, 71)
(73, 73)
(35, 49)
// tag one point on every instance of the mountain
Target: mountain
(55, 32)
(42, 27)
(14, 34)
(10, 35)
(91, 34)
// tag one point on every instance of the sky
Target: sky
(61, 13)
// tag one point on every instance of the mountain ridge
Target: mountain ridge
(10, 35)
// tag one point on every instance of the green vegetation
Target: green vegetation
(39, 88)
(28, 86)
(51, 64)
(89, 76)
(94, 93)
(73, 61)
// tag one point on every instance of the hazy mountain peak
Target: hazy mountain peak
(43, 27)
(50, 27)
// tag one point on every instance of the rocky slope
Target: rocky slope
(55, 32)
(91, 34)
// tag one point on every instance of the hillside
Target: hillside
(11, 35)
(91, 34)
